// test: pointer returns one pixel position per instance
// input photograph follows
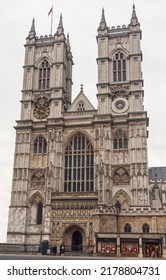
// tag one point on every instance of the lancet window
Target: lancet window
(40, 146)
(120, 140)
(39, 213)
(44, 75)
(119, 67)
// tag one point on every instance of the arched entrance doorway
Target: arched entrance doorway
(74, 238)
(77, 241)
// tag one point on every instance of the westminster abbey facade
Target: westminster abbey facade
(80, 175)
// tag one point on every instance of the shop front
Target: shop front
(129, 247)
(152, 247)
(106, 246)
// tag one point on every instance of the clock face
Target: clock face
(41, 111)
(120, 105)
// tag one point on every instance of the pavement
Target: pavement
(64, 257)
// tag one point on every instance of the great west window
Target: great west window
(79, 165)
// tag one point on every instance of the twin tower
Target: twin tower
(76, 167)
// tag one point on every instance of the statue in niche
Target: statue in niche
(133, 169)
(48, 195)
(50, 170)
(139, 169)
(143, 132)
(101, 168)
(107, 136)
(97, 134)
(53, 135)
(102, 136)
(132, 132)
(53, 227)
(59, 135)
(107, 171)
(108, 196)
(156, 196)
(138, 132)
(144, 169)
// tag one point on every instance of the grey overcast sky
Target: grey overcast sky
(81, 20)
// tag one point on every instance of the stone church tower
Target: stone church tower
(80, 175)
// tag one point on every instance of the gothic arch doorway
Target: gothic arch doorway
(77, 241)
(74, 238)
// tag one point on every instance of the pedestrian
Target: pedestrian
(153, 254)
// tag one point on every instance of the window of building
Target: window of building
(127, 228)
(81, 106)
(120, 140)
(39, 213)
(79, 165)
(145, 228)
(119, 67)
(40, 146)
(44, 75)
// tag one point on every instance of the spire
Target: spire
(103, 24)
(68, 47)
(32, 32)
(60, 28)
(134, 20)
(68, 42)
(81, 88)
(134, 12)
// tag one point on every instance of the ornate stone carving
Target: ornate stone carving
(119, 91)
(38, 180)
(121, 176)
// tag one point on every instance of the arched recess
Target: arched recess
(35, 209)
(74, 238)
(123, 199)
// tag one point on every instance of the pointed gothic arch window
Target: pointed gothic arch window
(40, 146)
(120, 140)
(119, 67)
(39, 213)
(44, 75)
(79, 165)
(127, 228)
(145, 228)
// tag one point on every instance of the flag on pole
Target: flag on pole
(50, 11)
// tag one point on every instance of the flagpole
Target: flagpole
(51, 20)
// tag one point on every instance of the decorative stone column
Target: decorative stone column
(140, 254)
(118, 254)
